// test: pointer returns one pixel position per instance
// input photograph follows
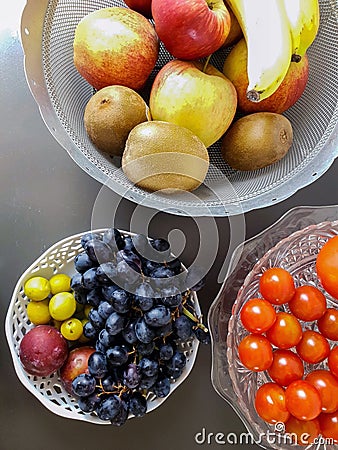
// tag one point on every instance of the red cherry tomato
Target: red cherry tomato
(328, 324)
(327, 386)
(277, 286)
(270, 403)
(303, 400)
(255, 352)
(333, 361)
(286, 332)
(327, 266)
(286, 367)
(328, 423)
(257, 315)
(313, 347)
(308, 303)
(305, 430)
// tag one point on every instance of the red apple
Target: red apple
(115, 46)
(289, 91)
(141, 6)
(76, 363)
(43, 350)
(191, 29)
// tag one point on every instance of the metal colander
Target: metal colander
(47, 32)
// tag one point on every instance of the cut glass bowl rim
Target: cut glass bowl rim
(220, 315)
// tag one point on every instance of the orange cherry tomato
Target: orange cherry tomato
(308, 303)
(270, 403)
(303, 400)
(286, 367)
(313, 347)
(333, 361)
(327, 386)
(286, 332)
(328, 324)
(327, 266)
(306, 431)
(277, 285)
(255, 352)
(257, 315)
(328, 423)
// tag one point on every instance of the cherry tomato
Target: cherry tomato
(328, 324)
(270, 403)
(308, 303)
(327, 386)
(277, 286)
(286, 332)
(327, 266)
(328, 423)
(313, 347)
(286, 367)
(333, 361)
(303, 400)
(257, 315)
(255, 352)
(305, 430)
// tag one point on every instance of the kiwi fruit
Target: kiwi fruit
(164, 156)
(257, 140)
(109, 116)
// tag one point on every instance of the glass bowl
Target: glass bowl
(293, 243)
(49, 390)
(47, 33)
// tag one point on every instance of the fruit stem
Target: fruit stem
(206, 63)
(253, 96)
(194, 319)
(296, 58)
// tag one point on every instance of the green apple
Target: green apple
(199, 98)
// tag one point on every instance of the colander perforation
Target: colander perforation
(314, 118)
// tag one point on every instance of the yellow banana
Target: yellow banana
(267, 33)
(303, 16)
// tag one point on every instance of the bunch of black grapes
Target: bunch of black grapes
(141, 318)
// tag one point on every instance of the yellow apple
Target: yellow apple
(202, 100)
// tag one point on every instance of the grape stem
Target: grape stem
(194, 319)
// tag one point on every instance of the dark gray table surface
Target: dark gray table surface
(45, 197)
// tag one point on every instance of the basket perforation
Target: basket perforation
(49, 390)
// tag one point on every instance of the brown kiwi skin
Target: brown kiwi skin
(256, 141)
(164, 156)
(110, 114)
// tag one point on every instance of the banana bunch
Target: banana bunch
(276, 32)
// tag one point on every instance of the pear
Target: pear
(165, 156)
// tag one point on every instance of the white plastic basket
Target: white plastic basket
(49, 390)
(47, 33)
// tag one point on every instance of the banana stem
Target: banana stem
(253, 96)
(296, 58)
